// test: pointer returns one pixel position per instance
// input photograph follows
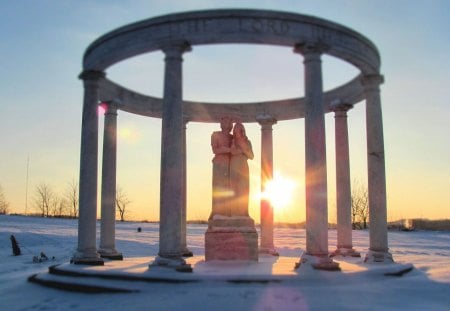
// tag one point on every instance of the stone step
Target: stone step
(135, 275)
(82, 284)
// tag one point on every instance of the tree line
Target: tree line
(49, 203)
(4, 204)
(360, 206)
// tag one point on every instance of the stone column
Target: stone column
(108, 196)
(185, 251)
(378, 249)
(86, 252)
(266, 122)
(172, 161)
(343, 188)
(315, 160)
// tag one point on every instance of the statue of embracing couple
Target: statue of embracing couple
(230, 169)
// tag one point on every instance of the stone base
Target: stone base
(268, 251)
(234, 222)
(318, 262)
(378, 257)
(92, 260)
(177, 264)
(231, 238)
(345, 252)
(110, 254)
(187, 253)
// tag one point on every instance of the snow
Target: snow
(357, 287)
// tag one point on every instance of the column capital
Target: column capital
(176, 49)
(373, 80)
(340, 108)
(310, 48)
(186, 120)
(266, 121)
(111, 109)
(110, 106)
(91, 75)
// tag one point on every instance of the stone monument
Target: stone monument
(231, 233)
(229, 224)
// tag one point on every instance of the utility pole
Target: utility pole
(26, 185)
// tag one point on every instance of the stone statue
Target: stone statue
(241, 151)
(230, 170)
(231, 233)
(221, 146)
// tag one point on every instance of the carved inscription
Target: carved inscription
(197, 25)
(189, 27)
(263, 25)
(328, 36)
(242, 25)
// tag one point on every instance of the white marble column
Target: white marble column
(107, 247)
(266, 122)
(378, 249)
(315, 161)
(86, 252)
(172, 162)
(343, 187)
(185, 251)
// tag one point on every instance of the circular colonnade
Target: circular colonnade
(176, 34)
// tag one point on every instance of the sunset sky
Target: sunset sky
(41, 49)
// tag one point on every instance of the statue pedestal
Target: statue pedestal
(231, 238)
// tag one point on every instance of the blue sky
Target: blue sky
(41, 48)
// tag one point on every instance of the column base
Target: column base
(345, 252)
(378, 257)
(112, 254)
(176, 263)
(323, 262)
(87, 258)
(268, 251)
(187, 253)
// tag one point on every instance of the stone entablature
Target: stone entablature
(285, 109)
(232, 26)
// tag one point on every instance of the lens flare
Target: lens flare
(101, 109)
(128, 134)
(279, 191)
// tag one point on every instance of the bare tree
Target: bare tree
(58, 206)
(4, 204)
(122, 202)
(360, 206)
(43, 199)
(71, 198)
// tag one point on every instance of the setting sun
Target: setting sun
(128, 134)
(279, 191)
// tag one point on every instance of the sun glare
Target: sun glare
(279, 191)
(128, 134)
(101, 109)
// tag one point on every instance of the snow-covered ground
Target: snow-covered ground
(427, 287)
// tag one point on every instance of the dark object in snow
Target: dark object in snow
(41, 258)
(15, 246)
(400, 272)
(139, 229)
